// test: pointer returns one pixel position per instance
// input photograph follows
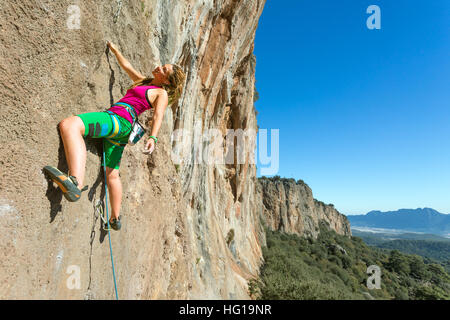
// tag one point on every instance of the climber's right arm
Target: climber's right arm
(125, 64)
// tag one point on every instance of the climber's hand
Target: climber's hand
(149, 146)
(112, 46)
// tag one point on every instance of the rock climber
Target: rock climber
(114, 126)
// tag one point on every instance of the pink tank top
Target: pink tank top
(137, 98)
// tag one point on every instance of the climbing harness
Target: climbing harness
(116, 129)
(108, 229)
(137, 130)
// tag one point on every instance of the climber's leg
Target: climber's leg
(75, 129)
(115, 191)
(113, 151)
(72, 130)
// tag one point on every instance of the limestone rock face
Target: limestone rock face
(189, 228)
(288, 205)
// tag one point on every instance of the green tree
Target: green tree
(438, 273)
(426, 293)
(398, 263)
(418, 268)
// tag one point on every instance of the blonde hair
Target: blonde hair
(174, 88)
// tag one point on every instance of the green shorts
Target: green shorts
(113, 128)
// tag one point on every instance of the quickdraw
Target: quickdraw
(99, 211)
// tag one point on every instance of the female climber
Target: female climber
(114, 126)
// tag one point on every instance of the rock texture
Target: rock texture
(289, 206)
(191, 230)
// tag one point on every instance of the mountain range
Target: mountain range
(426, 220)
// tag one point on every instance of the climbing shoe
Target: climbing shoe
(115, 224)
(67, 184)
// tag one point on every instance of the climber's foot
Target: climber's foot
(115, 224)
(67, 184)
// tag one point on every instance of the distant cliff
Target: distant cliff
(289, 206)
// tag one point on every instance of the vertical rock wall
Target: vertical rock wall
(189, 230)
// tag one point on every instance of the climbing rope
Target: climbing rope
(107, 219)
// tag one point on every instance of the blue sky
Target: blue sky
(363, 115)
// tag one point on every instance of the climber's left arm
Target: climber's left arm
(125, 64)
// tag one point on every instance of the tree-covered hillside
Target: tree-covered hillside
(335, 267)
(431, 247)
